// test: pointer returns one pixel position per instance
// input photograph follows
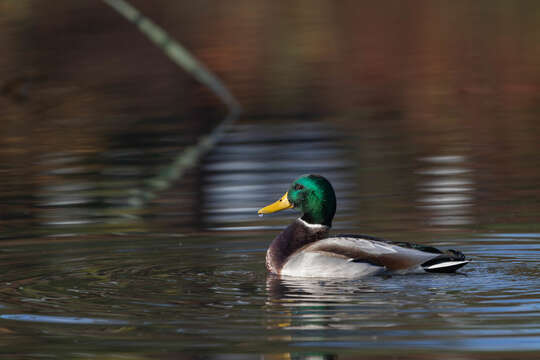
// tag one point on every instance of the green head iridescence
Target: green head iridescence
(314, 196)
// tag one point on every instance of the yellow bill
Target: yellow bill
(279, 205)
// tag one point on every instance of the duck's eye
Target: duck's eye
(298, 187)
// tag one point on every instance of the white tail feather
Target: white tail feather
(446, 264)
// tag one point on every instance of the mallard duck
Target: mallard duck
(304, 248)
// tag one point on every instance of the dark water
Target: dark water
(425, 119)
(84, 273)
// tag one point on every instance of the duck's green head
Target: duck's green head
(312, 195)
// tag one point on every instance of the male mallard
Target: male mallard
(304, 248)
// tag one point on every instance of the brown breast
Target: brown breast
(295, 236)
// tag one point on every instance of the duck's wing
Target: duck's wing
(394, 256)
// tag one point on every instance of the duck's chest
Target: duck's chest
(294, 237)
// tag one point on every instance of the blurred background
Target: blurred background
(424, 115)
(87, 101)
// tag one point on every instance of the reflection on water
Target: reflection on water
(448, 191)
(94, 263)
(195, 293)
(114, 274)
(108, 275)
(88, 192)
(254, 165)
(464, 310)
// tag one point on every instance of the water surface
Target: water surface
(94, 274)
(424, 118)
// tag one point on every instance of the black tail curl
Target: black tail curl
(448, 262)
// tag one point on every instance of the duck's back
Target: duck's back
(356, 256)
